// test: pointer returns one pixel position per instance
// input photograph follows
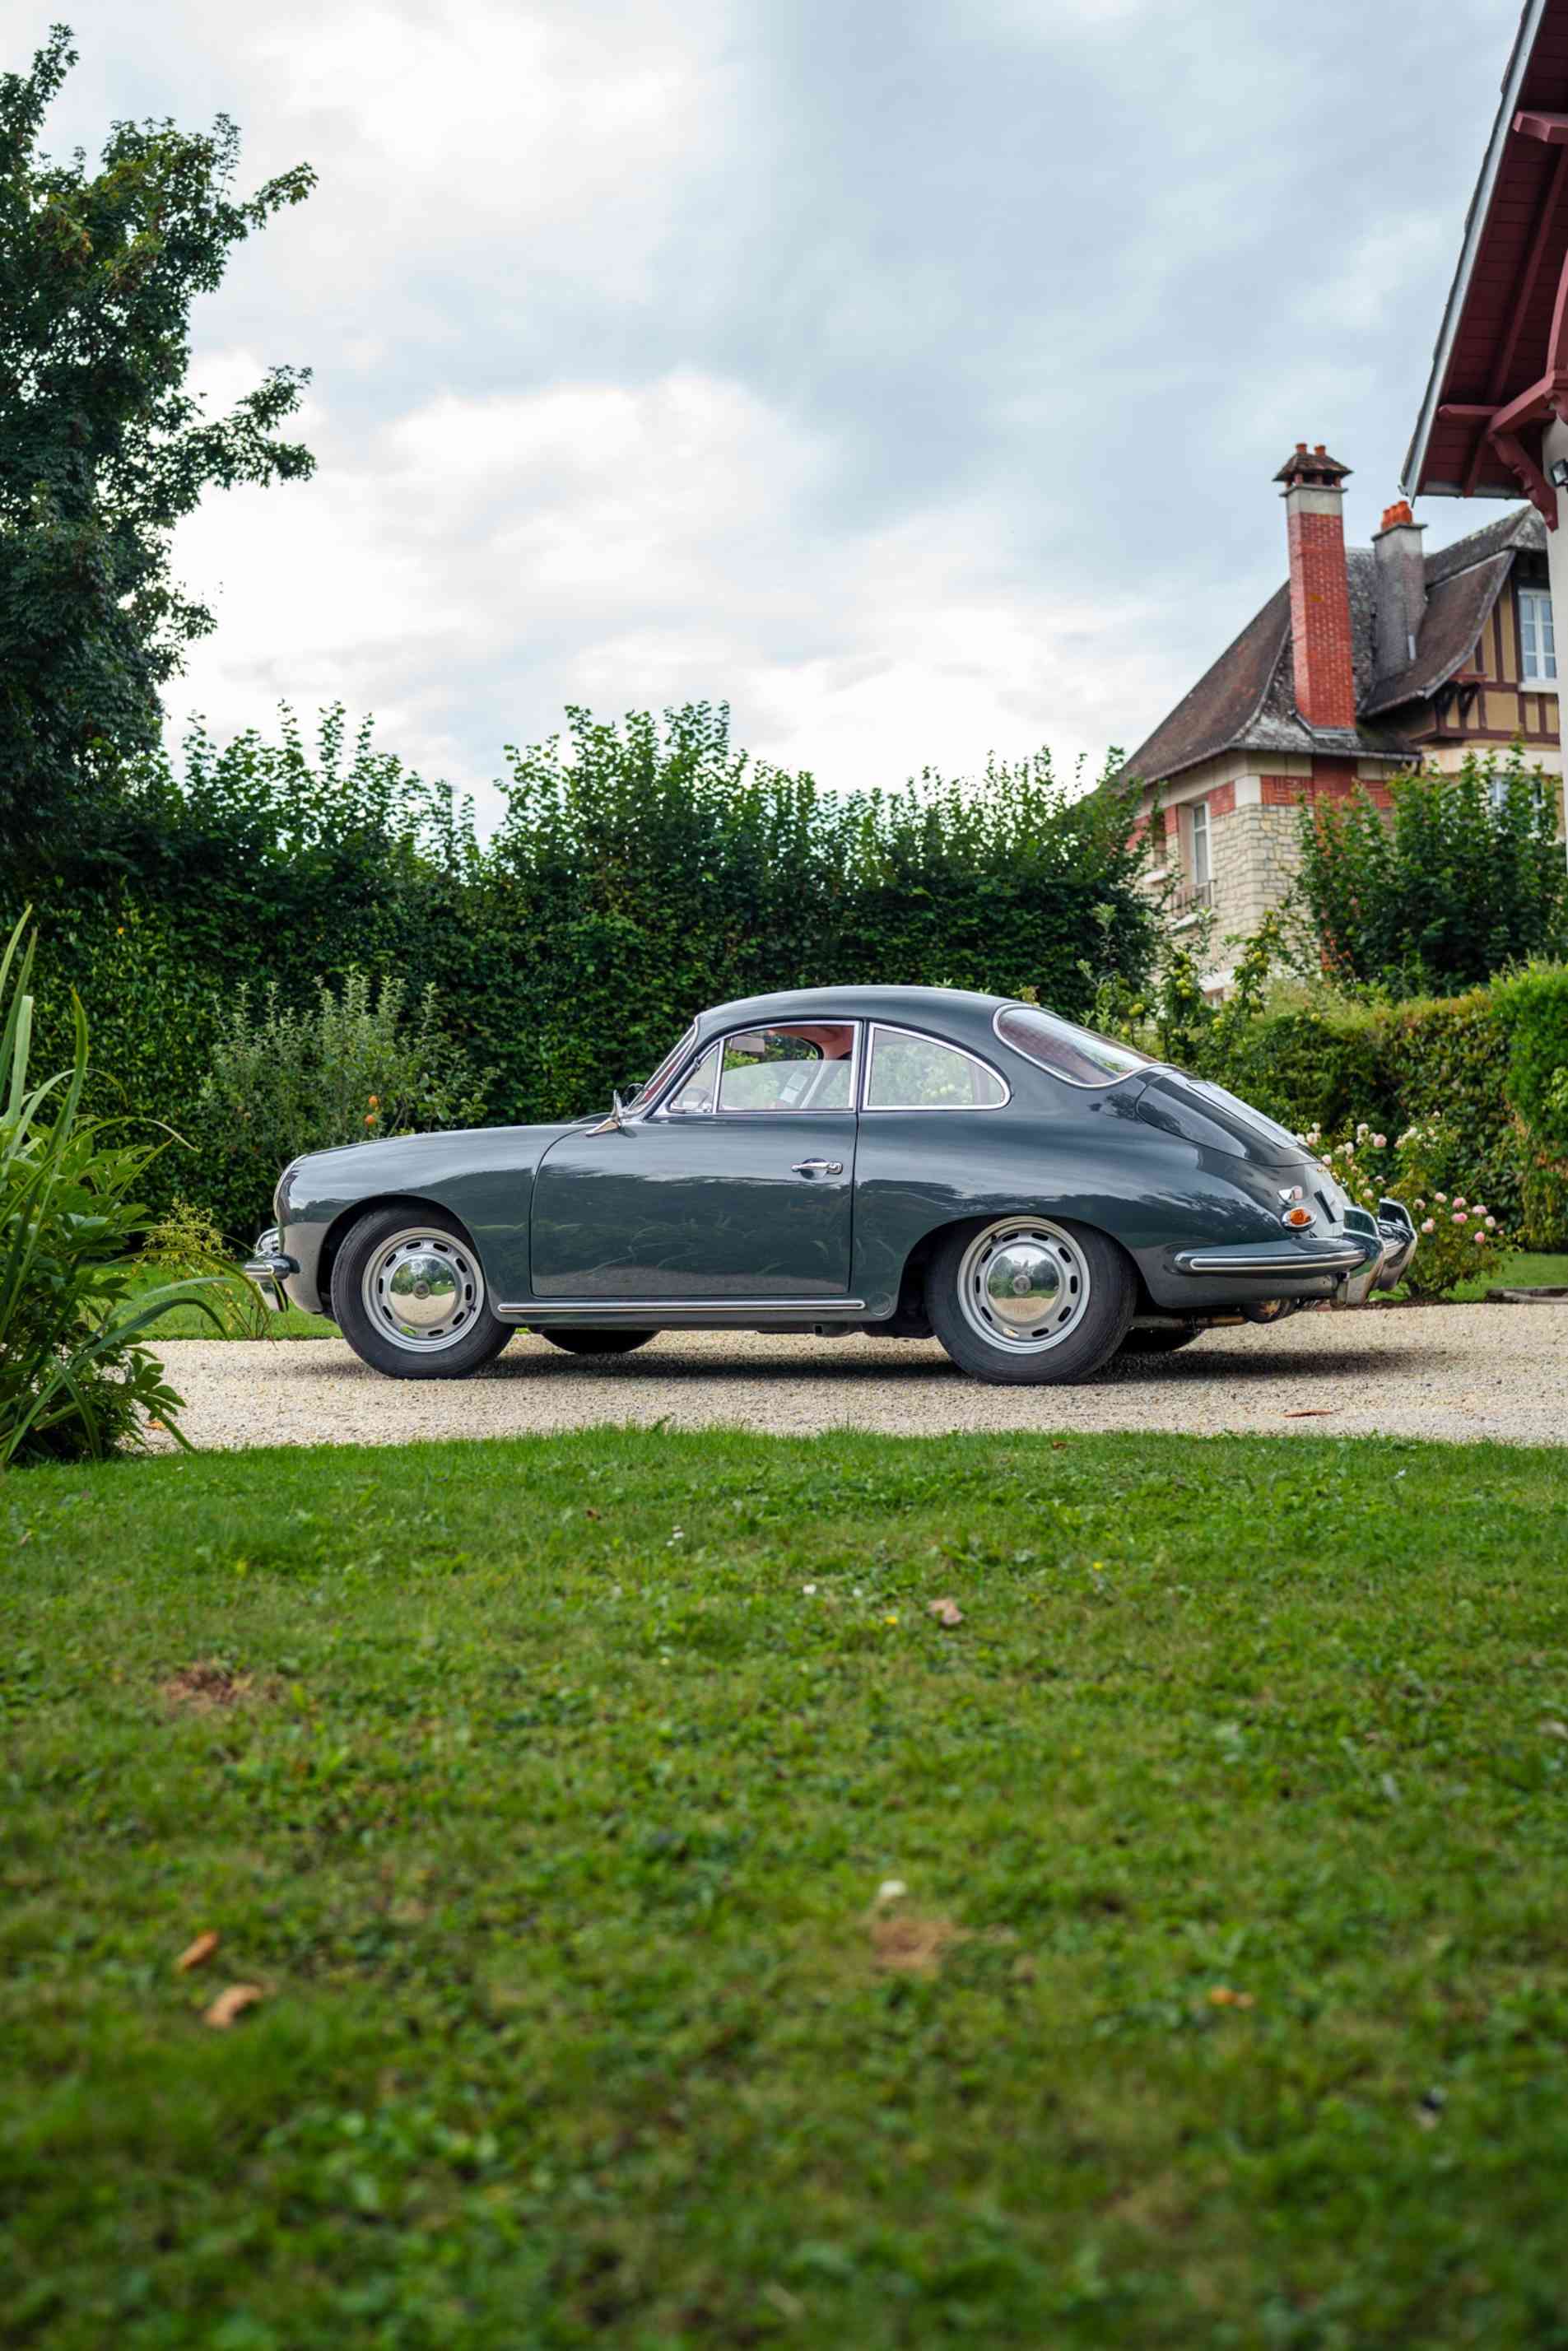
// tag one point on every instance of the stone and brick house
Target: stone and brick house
(1366, 662)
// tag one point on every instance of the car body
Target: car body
(803, 1160)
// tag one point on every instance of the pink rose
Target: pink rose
(1491, 1224)
(1458, 1200)
(1426, 1225)
(1441, 1199)
(1459, 1216)
(1381, 1141)
(1478, 1235)
(1420, 1204)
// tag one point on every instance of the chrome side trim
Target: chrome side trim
(929, 1109)
(536, 1308)
(1344, 1260)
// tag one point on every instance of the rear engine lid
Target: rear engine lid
(1202, 1113)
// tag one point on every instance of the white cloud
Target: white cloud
(630, 548)
(910, 378)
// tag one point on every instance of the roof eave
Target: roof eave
(1475, 228)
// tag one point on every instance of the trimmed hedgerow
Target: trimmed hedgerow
(641, 871)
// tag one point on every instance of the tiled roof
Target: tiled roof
(1248, 700)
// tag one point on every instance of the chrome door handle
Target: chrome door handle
(818, 1168)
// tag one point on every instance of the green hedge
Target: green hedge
(641, 872)
(1493, 1064)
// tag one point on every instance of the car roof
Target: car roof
(957, 1010)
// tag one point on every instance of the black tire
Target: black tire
(1098, 1292)
(1158, 1339)
(481, 1335)
(596, 1342)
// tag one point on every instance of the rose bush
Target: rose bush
(1458, 1234)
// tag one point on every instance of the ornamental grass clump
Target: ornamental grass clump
(73, 1383)
(1459, 1235)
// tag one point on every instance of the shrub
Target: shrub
(1532, 1010)
(187, 1245)
(72, 1380)
(1464, 877)
(1422, 1169)
(353, 1067)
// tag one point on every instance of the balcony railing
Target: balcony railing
(1192, 896)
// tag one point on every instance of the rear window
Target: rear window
(1076, 1054)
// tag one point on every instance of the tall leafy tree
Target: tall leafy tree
(103, 448)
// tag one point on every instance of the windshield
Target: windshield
(1079, 1055)
(650, 1086)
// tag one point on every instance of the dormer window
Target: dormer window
(1537, 638)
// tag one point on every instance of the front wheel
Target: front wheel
(408, 1294)
(598, 1343)
(1029, 1302)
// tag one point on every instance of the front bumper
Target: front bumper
(269, 1267)
(1371, 1254)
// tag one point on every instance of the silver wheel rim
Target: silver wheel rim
(1023, 1285)
(423, 1290)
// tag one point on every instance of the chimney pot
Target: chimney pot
(1319, 450)
(1300, 448)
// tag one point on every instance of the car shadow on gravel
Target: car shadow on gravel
(917, 1363)
(913, 1364)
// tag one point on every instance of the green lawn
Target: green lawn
(1525, 1270)
(190, 1323)
(547, 1801)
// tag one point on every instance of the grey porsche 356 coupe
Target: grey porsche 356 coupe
(904, 1161)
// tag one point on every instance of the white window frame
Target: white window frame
(1202, 839)
(928, 1110)
(750, 1028)
(1542, 620)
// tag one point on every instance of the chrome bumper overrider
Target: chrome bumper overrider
(1372, 1255)
(268, 1268)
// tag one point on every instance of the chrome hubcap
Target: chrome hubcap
(1023, 1285)
(422, 1290)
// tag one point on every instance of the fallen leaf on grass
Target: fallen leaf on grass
(910, 1945)
(196, 1954)
(230, 2004)
(207, 1684)
(1314, 1412)
(1223, 1997)
(947, 1612)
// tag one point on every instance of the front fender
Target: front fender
(484, 1177)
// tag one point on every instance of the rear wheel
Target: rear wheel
(1158, 1339)
(1029, 1302)
(408, 1294)
(596, 1342)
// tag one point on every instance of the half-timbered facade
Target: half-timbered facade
(1366, 662)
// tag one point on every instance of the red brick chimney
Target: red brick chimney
(1320, 588)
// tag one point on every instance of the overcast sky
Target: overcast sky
(908, 374)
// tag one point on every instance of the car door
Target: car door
(739, 1187)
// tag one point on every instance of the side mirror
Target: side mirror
(616, 1120)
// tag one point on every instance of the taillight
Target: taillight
(1297, 1217)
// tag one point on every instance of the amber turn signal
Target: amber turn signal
(1297, 1217)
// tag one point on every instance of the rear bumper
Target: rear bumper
(1372, 1254)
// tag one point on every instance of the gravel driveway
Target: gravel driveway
(1456, 1372)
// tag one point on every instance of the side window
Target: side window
(807, 1067)
(910, 1072)
(696, 1095)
